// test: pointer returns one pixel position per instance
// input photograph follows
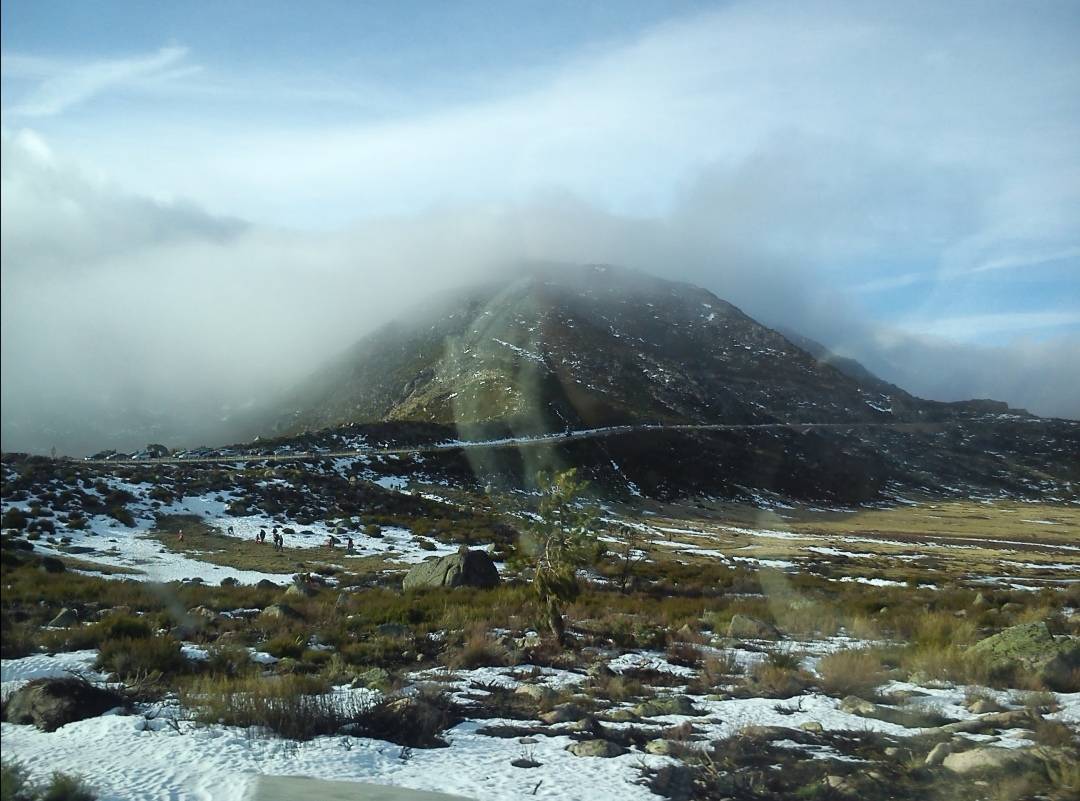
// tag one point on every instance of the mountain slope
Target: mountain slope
(582, 347)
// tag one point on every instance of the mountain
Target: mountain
(567, 348)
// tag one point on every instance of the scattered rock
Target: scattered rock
(65, 618)
(563, 713)
(1031, 648)
(50, 564)
(670, 705)
(537, 692)
(462, 569)
(937, 755)
(661, 747)
(279, 612)
(596, 748)
(744, 627)
(52, 703)
(374, 679)
(989, 759)
(983, 706)
(812, 726)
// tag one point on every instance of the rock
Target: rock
(989, 759)
(599, 670)
(1012, 719)
(52, 703)
(537, 692)
(301, 589)
(755, 732)
(279, 612)
(671, 705)
(983, 706)
(937, 755)
(65, 618)
(50, 564)
(563, 713)
(229, 581)
(812, 726)
(622, 716)
(980, 601)
(530, 640)
(854, 705)
(373, 679)
(203, 612)
(394, 630)
(267, 584)
(661, 747)
(744, 627)
(1030, 648)
(596, 748)
(462, 569)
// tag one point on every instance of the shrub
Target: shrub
(128, 657)
(479, 650)
(414, 721)
(15, 785)
(285, 645)
(856, 672)
(293, 707)
(774, 681)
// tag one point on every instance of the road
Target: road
(508, 442)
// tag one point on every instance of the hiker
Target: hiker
(231, 532)
(331, 541)
(261, 536)
(349, 543)
(180, 535)
(279, 541)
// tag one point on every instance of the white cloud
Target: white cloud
(58, 86)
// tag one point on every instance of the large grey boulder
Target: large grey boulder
(65, 618)
(462, 569)
(744, 627)
(52, 703)
(596, 748)
(989, 759)
(1031, 649)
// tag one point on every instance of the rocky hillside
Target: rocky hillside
(585, 347)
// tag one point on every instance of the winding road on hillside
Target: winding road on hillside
(507, 442)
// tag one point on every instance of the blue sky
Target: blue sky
(901, 181)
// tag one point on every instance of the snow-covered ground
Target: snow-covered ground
(156, 753)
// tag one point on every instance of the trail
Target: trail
(507, 442)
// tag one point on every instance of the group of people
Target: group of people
(278, 537)
(331, 541)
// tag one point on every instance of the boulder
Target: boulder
(65, 618)
(661, 747)
(671, 705)
(463, 569)
(52, 703)
(812, 726)
(563, 713)
(537, 692)
(267, 584)
(989, 759)
(937, 755)
(279, 612)
(596, 748)
(744, 627)
(1031, 649)
(50, 564)
(229, 581)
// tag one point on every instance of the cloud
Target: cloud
(59, 86)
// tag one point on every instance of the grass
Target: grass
(15, 785)
(855, 672)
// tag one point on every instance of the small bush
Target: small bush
(294, 707)
(285, 645)
(415, 722)
(773, 681)
(15, 785)
(856, 672)
(129, 658)
(479, 650)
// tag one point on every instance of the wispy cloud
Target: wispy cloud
(982, 327)
(61, 85)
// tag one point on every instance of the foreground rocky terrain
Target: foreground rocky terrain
(749, 647)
